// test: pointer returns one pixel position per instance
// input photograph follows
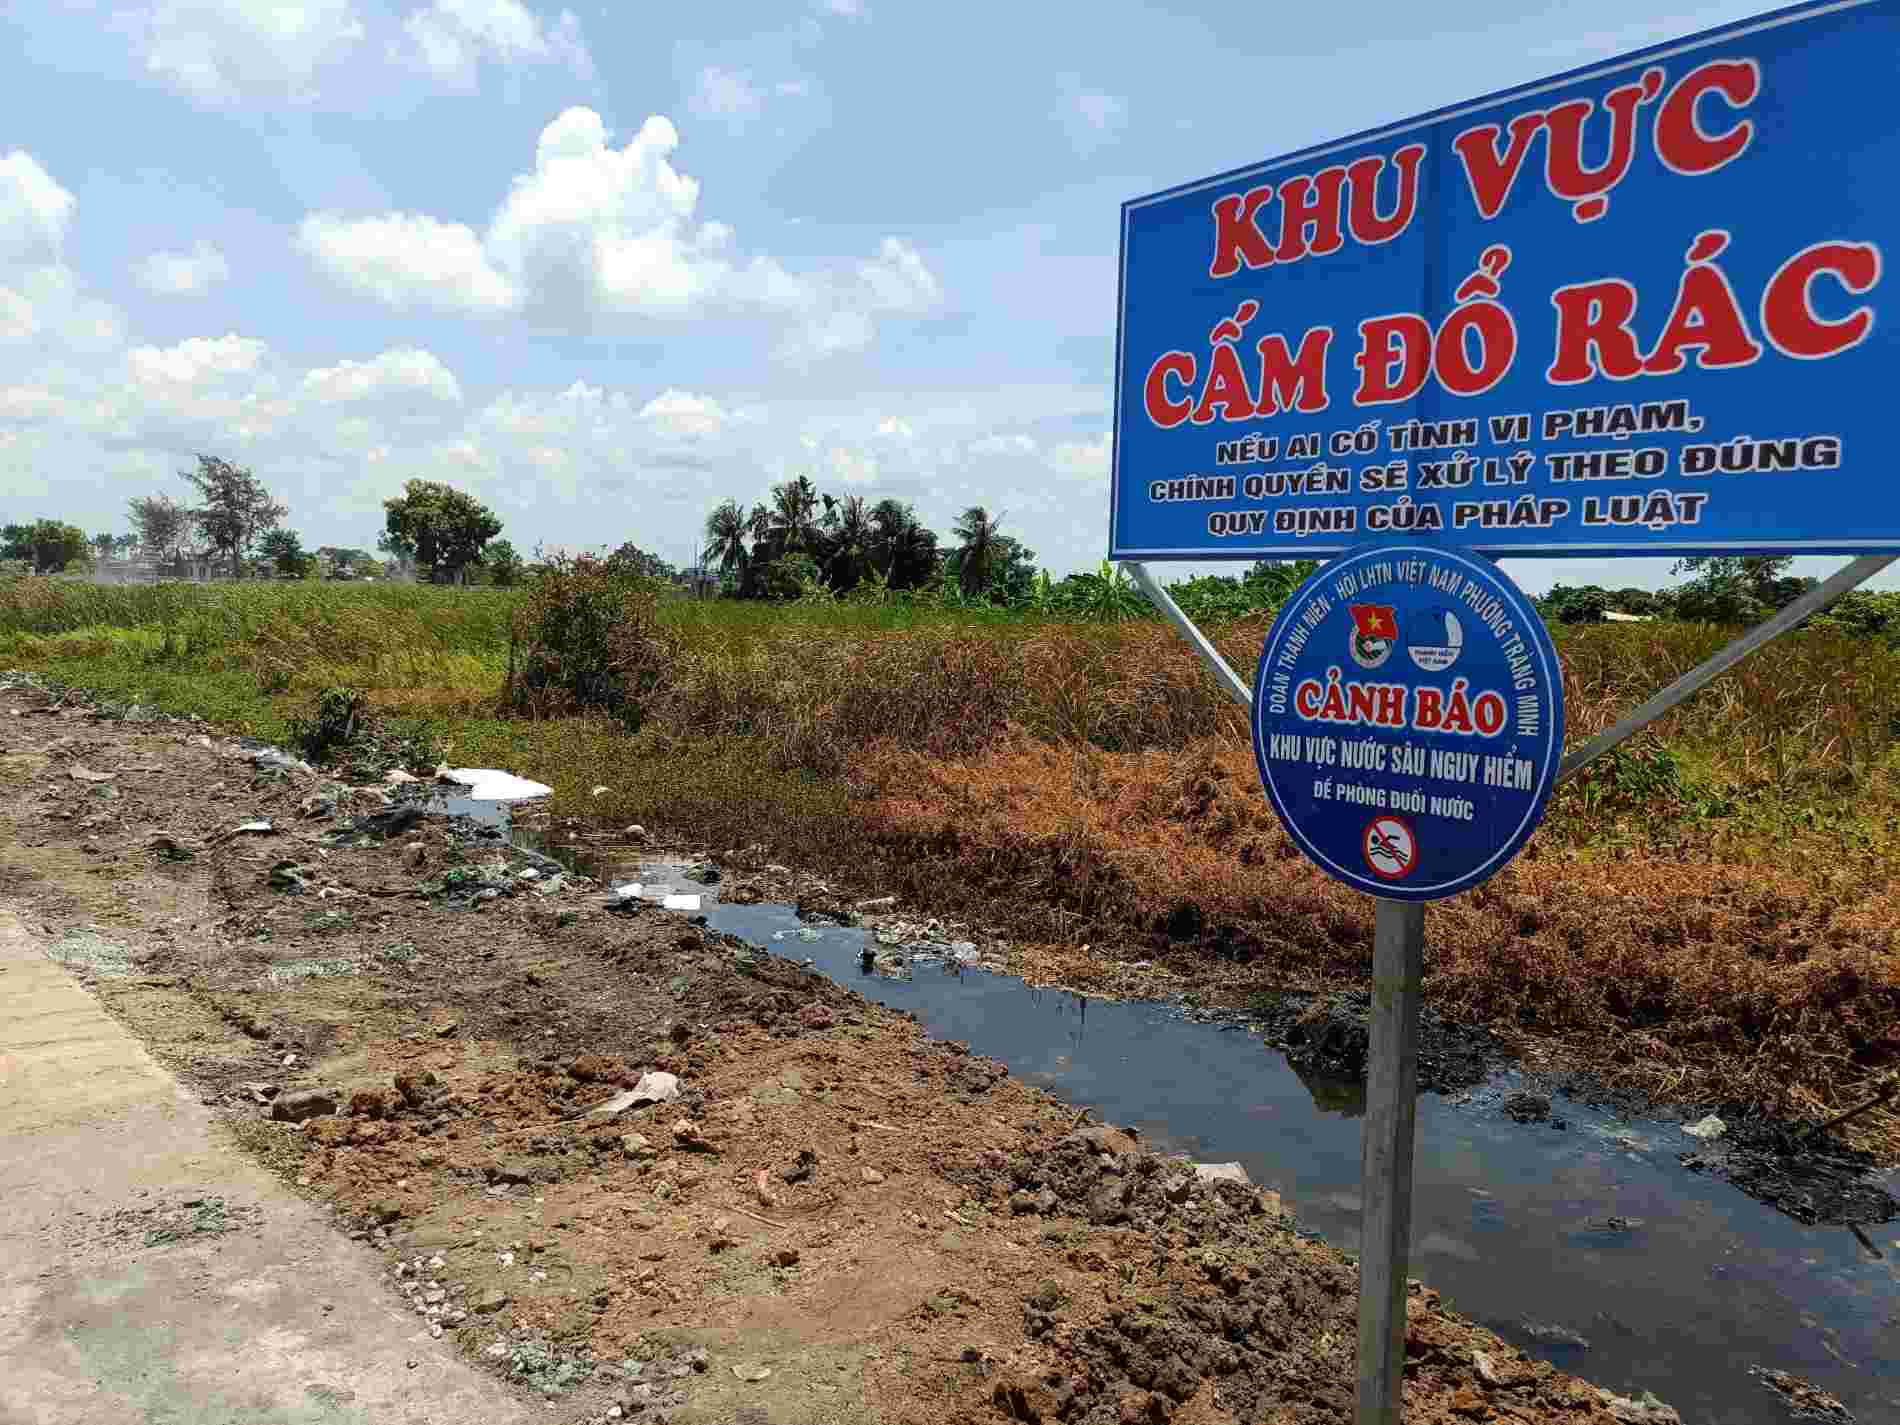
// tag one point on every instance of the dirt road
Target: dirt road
(387, 1066)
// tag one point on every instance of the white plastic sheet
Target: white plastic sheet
(487, 785)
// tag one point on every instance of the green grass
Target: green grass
(1795, 748)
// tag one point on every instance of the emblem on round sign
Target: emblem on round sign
(1408, 720)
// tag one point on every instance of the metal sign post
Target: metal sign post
(1386, 1139)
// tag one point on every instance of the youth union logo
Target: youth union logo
(1434, 639)
(1375, 629)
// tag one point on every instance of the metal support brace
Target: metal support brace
(1151, 589)
(1850, 577)
(1692, 682)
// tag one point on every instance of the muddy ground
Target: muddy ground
(836, 1219)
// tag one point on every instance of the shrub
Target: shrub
(587, 636)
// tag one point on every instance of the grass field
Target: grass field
(1710, 912)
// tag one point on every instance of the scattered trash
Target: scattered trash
(654, 1087)
(397, 777)
(752, 1373)
(1806, 1400)
(273, 757)
(83, 774)
(600, 791)
(1710, 1127)
(681, 902)
(487, 785)
(1222, 1173)
(251, 828)
(1551, 1335)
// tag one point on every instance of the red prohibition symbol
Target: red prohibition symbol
(1391, 847)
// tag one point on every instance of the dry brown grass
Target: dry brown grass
(1698, 981)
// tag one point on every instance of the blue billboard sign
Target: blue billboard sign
(1408, 720)
(1633, 310)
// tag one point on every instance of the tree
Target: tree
(104, 543)
(901, 548)
(793, 576)
(504, 565)
(236, 509)
(161, 521)
(438, 526)
(49, 544)
(1569, 605)
(975, 557)
(125, 544)
(727, 531)
(633, 559)
(849, 538)
(793, 518)
(285, 550)
(1736, 589)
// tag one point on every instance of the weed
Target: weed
(587, 637)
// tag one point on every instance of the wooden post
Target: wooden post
(1398, 960)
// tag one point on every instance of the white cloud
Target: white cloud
(29, 405)
(1017, 444)
(831, 334)
(898, 280)
(18, 321)
(727, 95)
(404, 261)
(684, 415)
(182, 274)
(1081, 460)
(219, 50)
(405, 372)
(846, 9)
(46, 303)
(596, 232)
(194, 362)
(853, 467)
(34, 210)
(1091, 118)
(451, 38)
(896, 427)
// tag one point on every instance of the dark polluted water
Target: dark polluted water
(1590, 1247)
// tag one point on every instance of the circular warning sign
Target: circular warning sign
(1408, 720)
(1391, 848)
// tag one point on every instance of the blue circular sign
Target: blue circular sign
(1408, 720)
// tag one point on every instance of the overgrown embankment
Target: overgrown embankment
(1709, 913)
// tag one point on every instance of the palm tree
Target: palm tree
(976, 555)
(849, 536)
(901, 545)
(794, 515)
(726, 532)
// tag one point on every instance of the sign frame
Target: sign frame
(1129, 544)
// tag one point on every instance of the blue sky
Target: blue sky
(606, 266)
